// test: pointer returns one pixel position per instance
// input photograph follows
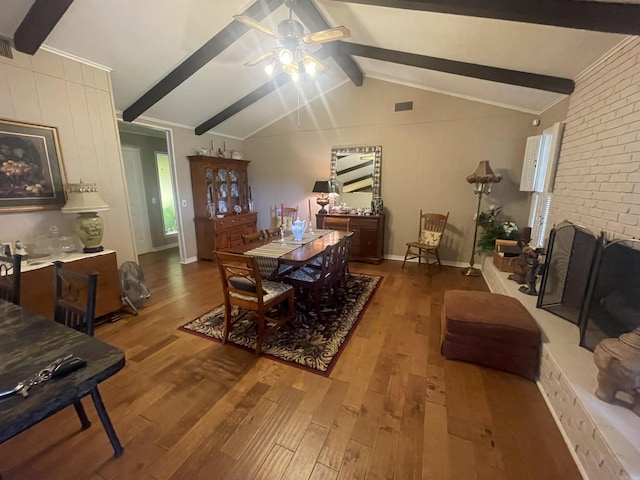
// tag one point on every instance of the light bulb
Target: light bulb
(269, 69)
(310, 68)
(286, 57)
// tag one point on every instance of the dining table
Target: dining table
(272, 252)
(28, 344)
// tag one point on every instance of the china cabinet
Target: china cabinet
(221, 203)
(367, 244)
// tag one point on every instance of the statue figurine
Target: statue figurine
(533, 265)
(520, 275)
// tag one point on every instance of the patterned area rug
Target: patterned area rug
(308, 343)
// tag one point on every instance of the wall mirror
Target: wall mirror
(355, 175)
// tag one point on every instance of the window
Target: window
(169, 223)
(538, 175)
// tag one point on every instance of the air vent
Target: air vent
(404, 106)
(5, 48)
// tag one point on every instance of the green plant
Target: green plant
(494, 226)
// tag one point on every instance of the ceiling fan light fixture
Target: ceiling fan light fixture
(290, 68)
(286, 56)
(310, 67)
(270, 68)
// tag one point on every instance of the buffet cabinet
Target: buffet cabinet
(37, 292)
(220, 189)
(367, 244)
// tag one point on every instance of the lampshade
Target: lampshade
(484, 174)
(322, 186)
(83, 197)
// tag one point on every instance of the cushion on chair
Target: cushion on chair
(490, 329)
(430, 238)
(243, 283)
(270, 291)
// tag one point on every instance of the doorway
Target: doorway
(149, 166)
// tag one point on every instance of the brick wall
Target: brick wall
(598, 178)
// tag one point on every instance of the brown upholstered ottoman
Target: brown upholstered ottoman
(492, 330)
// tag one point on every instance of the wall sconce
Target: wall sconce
(322, 187)
(83, 198)
(482, 179)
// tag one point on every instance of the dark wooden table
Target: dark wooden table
(28, 343)
(301, 255)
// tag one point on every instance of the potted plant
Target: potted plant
(494, 226)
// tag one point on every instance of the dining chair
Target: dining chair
(10, 278)
(289, 214)
(316, 281)
(75, 304)
(431, 228)
(258, 236)
(336, 223)
(243, 286)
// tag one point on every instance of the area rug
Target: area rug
(308, 343)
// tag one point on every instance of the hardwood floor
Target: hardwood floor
(189, 408)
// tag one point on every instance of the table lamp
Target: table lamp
(83, 198)
(322, 187)
(483, 179)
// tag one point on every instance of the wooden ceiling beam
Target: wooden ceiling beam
(493, 74)
(229, 34)
(36, 26)
(308, 13)
(581, 14)
(253, 97)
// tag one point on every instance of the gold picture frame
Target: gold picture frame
(32, 174)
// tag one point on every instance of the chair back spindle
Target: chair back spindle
(10, 278)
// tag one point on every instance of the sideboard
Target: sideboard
(36, 281)
(367, 244)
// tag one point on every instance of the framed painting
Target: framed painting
(31, 170)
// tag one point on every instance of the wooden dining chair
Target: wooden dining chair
(75, 304)
(316, 281)
(336, 223)
(258, 236)
(430, 231)
(243, 286)
(289, 214)
(10, 278)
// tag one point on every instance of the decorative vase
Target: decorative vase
(90, 228)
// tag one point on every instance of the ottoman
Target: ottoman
(492, 330)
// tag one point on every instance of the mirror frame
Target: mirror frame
(377, 164)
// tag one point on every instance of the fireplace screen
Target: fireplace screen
(613, 299)
(568, 264)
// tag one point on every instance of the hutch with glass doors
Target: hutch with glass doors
(221, 203)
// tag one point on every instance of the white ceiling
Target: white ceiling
(141, 41)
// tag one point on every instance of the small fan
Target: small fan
(134, 290)
(291, 36)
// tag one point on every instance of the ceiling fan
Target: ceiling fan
(291, 37)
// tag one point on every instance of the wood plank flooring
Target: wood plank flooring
(189, 408)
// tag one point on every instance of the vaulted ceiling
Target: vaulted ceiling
(183, 62)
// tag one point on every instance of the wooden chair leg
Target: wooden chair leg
(82, 415)
(106, 422)
(405, 256)
(438, 258)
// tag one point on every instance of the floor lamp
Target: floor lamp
(483, 179)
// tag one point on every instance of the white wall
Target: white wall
(426, 155)
(51, 90)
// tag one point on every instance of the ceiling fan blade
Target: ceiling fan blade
(263, 56)
(309, 58)
(250, 22)
(329, 35)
